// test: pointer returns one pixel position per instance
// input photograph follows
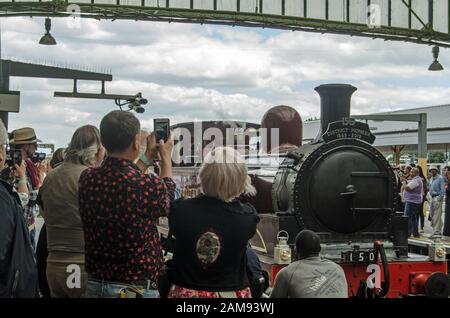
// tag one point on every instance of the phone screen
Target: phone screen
(162, 129)
(14, 156)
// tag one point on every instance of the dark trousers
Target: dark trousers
(411, 211)
(446, 231)
(421, 217)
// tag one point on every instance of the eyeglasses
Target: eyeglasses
(35, 145)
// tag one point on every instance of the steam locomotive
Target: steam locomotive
(342, 188)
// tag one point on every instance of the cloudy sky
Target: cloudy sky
(200, 72)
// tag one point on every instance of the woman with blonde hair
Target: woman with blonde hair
(211, 232)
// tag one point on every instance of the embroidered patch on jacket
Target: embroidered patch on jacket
(208, 248)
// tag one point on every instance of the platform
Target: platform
(421, 245)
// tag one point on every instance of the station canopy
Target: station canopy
(419, 21)
(393, 133)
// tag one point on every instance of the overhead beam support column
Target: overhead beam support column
(422, 145)
(421, 119)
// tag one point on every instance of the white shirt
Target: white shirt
(413, 184)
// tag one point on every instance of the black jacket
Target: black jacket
(18, 271)
(211, 239)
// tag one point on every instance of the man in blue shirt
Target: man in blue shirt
(436, 192)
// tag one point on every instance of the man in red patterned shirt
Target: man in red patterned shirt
(119, 207)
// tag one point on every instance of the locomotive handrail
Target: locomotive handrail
(371, 210)
(369, 174)
(351, 193)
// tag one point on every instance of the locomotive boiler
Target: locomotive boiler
(344, 189)
(339, 185)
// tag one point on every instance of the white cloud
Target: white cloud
(191, 72)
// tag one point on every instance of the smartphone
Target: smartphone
(161, 127)
(14, 156)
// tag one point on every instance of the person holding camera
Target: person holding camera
(23, 144)
(18, 272)
(119, 207)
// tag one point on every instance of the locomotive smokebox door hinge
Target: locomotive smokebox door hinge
(350, 192)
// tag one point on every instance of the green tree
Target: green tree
(436, 157)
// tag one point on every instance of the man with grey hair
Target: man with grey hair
(18, 272)
(58, 199)
(436, 194)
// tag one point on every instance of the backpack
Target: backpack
(18, 269)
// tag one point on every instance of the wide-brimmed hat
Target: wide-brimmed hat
(23, 136)
(434, 168)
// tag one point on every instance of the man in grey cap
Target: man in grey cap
(436, 193)
(310, 276)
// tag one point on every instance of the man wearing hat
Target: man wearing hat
(436, 193)
(25, 140)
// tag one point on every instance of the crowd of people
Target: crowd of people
(416, 190)
(101, 201)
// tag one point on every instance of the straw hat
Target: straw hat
(23, 136)
(433, 168)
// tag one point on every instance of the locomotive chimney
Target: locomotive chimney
(334, 103)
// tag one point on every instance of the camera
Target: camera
(13, 156)
(137, 102)
(38, 157)
(139, 109)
